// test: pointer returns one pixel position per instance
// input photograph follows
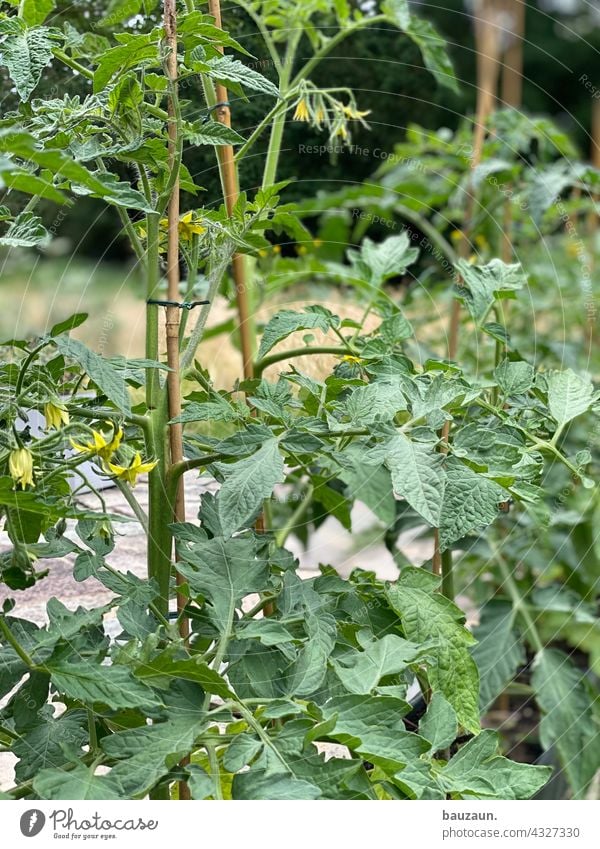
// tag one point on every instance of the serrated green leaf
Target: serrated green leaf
(308, 671)
(362, 671)
(257, 784)
(224, 571)
(514, 378)
(570, 722)
(41, 746)
(227, 70)
(107, 378)
(439, 725)
(287, 321)
(35, 12)
(569, 395)
(478, 771)
(213, 132)
(373, 402)
(426, 615)
(241, 751)
(164, 669)
(470, 502)
(433, 50)
(483, 282)
(377, 262)
(26, 51)
(417, 476)
(247, 483)
(25, 231)
(111, 685)
(75, 784)
(498, 653)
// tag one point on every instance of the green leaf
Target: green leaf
(247, 483)
(226, 70)
(569, 395)
(35, 12)
(111, 685)
(362, 671)
(224, 571)
(200, 783)
(498, 653)
(308, 672)
(427, 615)
(514, 378)
(26, 51)
(478, 771)
(356, 715)
(147, 753)
(370, 484)
(398, 11)
(258, 784)
(79, 783)
(374, 401)
(377, 262)
(418, 476)
(483, 284)
(287, 321)
(164, 669)
(138, 51)
(433, 50)
(470, 502)
(212, 132)
(68, 324)
(439, 725)
(104, 375)
(570, 721)
(42, 746)
(25, 231)
(241, 751)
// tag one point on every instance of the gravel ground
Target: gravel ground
(331, 544)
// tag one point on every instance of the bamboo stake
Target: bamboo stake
(173, 313)
(231, 191)
(512, 67)
(487, 44)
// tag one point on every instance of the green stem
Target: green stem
(133, 503)
(307, 350)
(73, 63)
(292, 522)
(92, 730)
(152, 312)
(517, 599)
(274, 149)
(215, 769)
(333, 42)
(447, 574)
(160, 542)
(12, 640)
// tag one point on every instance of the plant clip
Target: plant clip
(184, 305)
(206, 117)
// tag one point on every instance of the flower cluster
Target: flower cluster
(105, 447)
(320, 109)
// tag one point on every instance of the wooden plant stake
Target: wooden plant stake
(512, 66)
(487, 44)
(231, 191)
(173, 312)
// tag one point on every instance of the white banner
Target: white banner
(300, 825)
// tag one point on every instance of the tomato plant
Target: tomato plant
(231, 675)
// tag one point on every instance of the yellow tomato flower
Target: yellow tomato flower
(317, 243)
(302, 113)
(572, 250)
(276, 249)
(456, 235)
(100, 445)
(186, 227)
(320, 115)
(56, 415)
(20, 466)
(481, 242)
(131, 472)
(349, 358)
(301, 250)
(342, 132)
(351, 112)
